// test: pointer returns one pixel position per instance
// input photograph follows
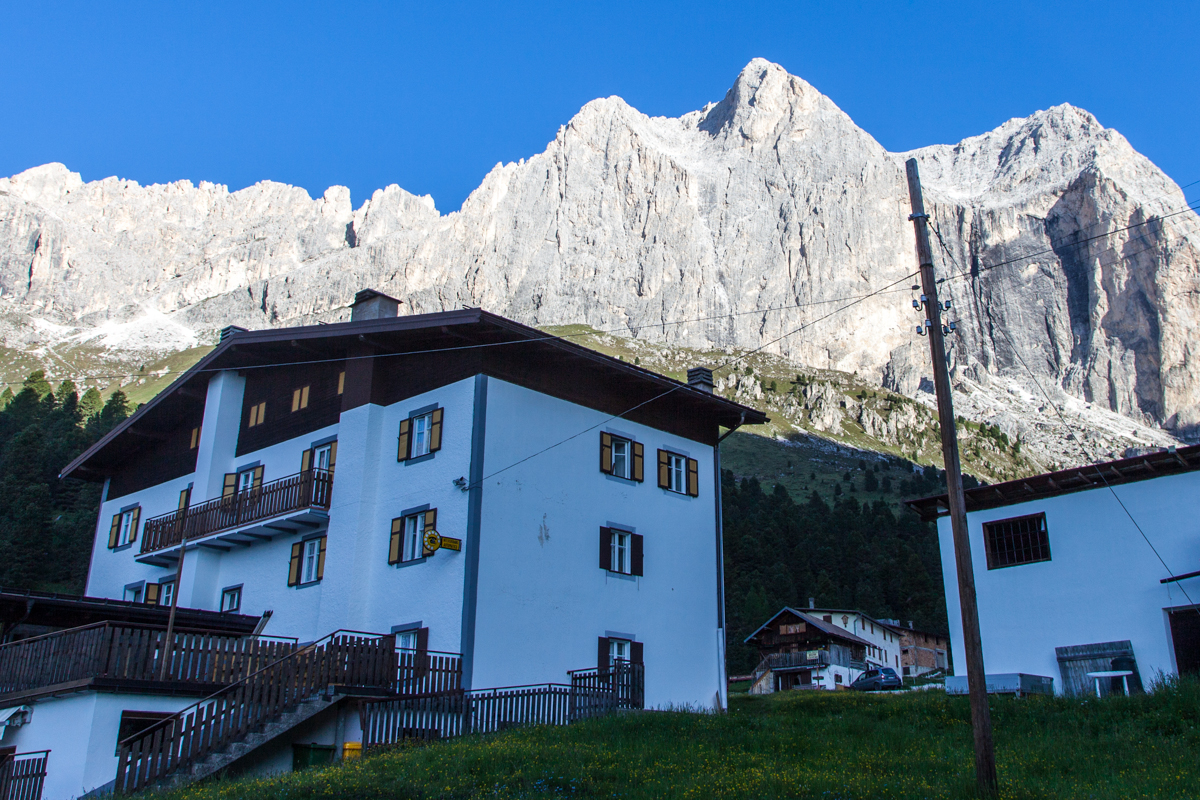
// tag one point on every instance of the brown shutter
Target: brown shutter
(664, 481)
(294, 567)
(430, 525)
(396, 541)
(422, 655)
(185, 498)
(257, 480)
(635, 652)
(304, 397)
(602, 654)
(306, 460)
(230, 487)
(606, 453)
(114, 533)
(262, 412)
(332, 455)
(402, 449)
(341, 381)
(150, 595)
(605, 548)
(693, 477)
(321, 558)
(133, 524)
(296, 400)
(635, 554)
(435, 430)
(638, 458)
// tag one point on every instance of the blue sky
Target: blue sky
(431, 96)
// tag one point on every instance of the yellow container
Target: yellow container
(351, 750)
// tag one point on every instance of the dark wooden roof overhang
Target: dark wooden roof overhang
(59, 611)
(1110, 473)
(481, 341)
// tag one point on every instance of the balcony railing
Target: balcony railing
(22, 775)
(309, 489)
(132, 653)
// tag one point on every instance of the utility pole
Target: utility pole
(167, 647)
(981, 718)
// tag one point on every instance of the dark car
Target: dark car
(874, 680)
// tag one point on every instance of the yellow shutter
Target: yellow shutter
(133, 524)
(258, 476)
(230, 487)
(294, 567)
(435, 430)
(693, 477)
(114, 533)
(341, 381)
(321, 558)
(185, 497)
(638, 459)
(151, 594)
(296, 400)
(397, 540)
(332, 455)
(664, 479)
(306, 460)
(402, 449)
(606, 453)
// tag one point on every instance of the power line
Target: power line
(1083, 444)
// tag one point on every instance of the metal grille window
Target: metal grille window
(1021, 540)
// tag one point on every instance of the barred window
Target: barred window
(1021, 540)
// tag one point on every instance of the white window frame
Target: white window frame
(420, 427)
(677, 473)
(166, 591)
(245, 480)
(619, 651)
(321, 456)
(407, 640)
(127, 532)
(133, 594)
(620, 552)
(309, 559)
(622, 458)
(414, 531)
(232, 591)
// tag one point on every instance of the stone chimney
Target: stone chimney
(701, 378)
(230, 330)
(370, 304)
(812, 602)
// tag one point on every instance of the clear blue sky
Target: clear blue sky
(431, 96)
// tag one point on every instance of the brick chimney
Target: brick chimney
(701, 378)
(370, 304)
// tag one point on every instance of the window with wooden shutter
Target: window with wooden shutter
(257, 480)
(635, 653)
(185, 498)
(605, 548)
(258, 414)
(342, 382)
(693, 478)
(635, 554)
(151, 596)
(229, 489)
(306, 460)
(606, 452)
(294, 567)
(602, 654)
(114, 532)
(402, 449)
(429, 526)
(332, 454)
(639, 458)
(397, 541)
(195, 438)
(664, 472)
(300, 398)
(321, 558)
(435, 430)
(124, 527)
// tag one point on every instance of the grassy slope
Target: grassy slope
(799, 745)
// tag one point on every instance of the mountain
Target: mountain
(678, 231)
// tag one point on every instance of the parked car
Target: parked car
(873, 680)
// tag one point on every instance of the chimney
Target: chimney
(230, 330)
(701, 378)
(370, 304)
(812, 602)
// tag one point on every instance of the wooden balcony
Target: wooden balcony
(288, 505)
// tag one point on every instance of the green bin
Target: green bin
(311, 755)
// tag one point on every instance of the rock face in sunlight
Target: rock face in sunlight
(771, 198)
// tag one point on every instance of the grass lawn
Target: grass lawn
(798, 745)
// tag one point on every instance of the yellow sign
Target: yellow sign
(451, 544)
(432, 541)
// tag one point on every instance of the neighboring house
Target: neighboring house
(799, 650)
(883, 640)
(920, 651)
(492, 505)
(1069, 570)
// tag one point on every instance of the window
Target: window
(321, 457)
(620, 551)
(677, 473)
(242, 481)
(408, 534)
(258, 413)
(308, 562)
(621, 457)
(1021, 540)
(618, 651)
(137, 722)
(406, 640)
(245, 480)
(300, 398)
(133, 594)
(195, 438)
(791, 630)
(166, 593)
(420, 434)
(124, 527)
(231, 599)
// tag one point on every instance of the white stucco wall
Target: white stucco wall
(543, 599)
(1101, 584)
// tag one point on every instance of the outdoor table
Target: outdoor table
(1123, 674)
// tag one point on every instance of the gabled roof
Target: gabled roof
(1170, 461)
(821, 625)
(493, 344)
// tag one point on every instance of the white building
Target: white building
(883, 639)
(1066, 573)
(457, 480)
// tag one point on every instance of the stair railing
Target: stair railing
(343, 658)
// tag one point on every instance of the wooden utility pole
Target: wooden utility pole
(981, 718)
(167, 648)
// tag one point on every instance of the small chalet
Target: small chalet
(803, 651)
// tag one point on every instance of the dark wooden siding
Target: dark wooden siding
(274, 386)
(161, 460)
